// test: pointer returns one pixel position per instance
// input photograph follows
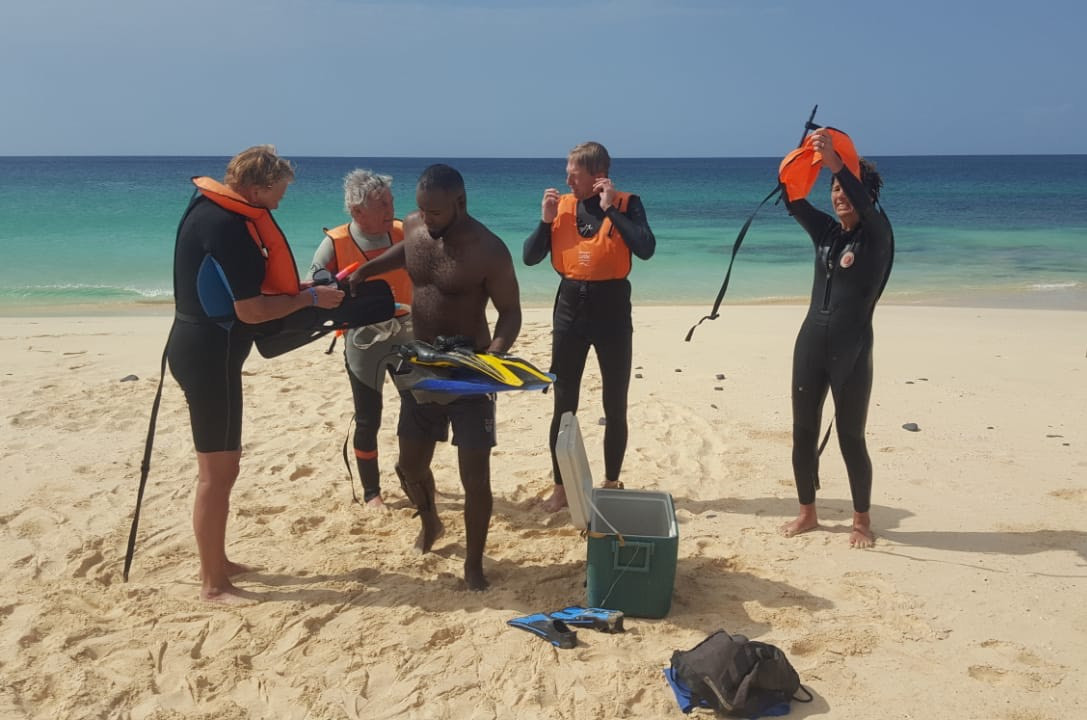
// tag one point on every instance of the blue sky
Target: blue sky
(484, 78)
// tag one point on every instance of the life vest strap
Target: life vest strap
(735, 249)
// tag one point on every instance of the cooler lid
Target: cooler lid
(577, 478)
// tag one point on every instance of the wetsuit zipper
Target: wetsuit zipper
(830, 273)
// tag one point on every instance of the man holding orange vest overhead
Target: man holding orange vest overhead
(373, 229)
(591, 234)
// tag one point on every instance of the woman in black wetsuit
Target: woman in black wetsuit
(853, 256)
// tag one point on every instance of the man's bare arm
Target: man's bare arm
(501, 286)
(391, 259)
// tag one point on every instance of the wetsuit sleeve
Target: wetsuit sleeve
(234, 249)
(538, 244)
(325, 257)
(633, 226)
(816, 222)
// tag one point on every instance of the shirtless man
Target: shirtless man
(456, 266)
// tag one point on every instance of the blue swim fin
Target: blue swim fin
(602, 619)
(554, 631)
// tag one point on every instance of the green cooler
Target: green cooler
(633, 536)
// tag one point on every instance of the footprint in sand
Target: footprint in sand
(304, 525)
(444, 637)
(302, 472)
(1017, 666)
(1074, 494)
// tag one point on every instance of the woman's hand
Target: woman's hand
(823, 143)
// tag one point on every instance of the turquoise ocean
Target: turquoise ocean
(95, 235)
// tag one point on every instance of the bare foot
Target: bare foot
(557, 501)
(375, 503)
(474, 577)
(234, 569)
(806, 520)
(228, 594)
(432, 530)
(862, 536)
(613, 484)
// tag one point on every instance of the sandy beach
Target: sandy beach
(970, 606)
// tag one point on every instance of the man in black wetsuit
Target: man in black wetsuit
(590, 235)
(853, 256)
(228, 232)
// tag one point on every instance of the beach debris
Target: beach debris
(602, 421)
(912, 427)
(679, 369)
(718, 387)
(909, 382)
(720, 376)
(1053, 435)
(129, 378)
(638, 375)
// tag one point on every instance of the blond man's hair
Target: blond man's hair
(591, 157)
(258, 166)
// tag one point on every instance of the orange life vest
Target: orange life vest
(604, 256)
(800, 168)
(347, 252)
(280, 272)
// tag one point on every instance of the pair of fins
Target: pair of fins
(556, 627)
(452, 361)
(373, 302)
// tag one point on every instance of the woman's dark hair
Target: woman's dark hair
(870, 178)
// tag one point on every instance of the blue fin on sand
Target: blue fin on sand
(554, 631)
(602, 619)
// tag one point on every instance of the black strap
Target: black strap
(778, 190)
(826, 437)
(145, 465)
(203, 319)
(347, 462)
(735, 249)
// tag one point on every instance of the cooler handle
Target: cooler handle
(634, 548)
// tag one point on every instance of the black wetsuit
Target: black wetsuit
(597, 314)
(834, 347)
(205, 357)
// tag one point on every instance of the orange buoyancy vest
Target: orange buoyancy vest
(604, 256)
(280, 272)
(348, 251)
(800, 168)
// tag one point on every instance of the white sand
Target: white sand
(971, 605)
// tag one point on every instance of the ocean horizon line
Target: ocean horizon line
(148, 156)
